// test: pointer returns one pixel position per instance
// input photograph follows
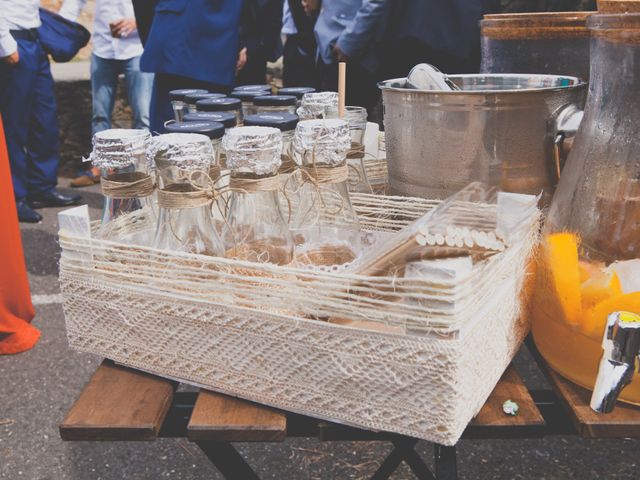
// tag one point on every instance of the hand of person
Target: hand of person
(12, 59)
(340, 55)
(242, 59)
(123, 27)
(310, 6)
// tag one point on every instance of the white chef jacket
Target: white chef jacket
(16, 15)
(107, 11)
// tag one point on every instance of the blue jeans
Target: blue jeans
(104, 82)
(28, 108)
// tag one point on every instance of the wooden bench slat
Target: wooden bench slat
(119, 404)
(218, 417)
(624, 421)
(492, 422)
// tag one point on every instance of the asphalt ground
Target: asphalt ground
(38, 387)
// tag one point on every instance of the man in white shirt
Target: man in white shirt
(116, 50)
(28, 108)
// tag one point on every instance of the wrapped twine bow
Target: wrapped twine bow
(128, 185)
(190, 193)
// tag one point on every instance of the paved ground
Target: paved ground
(39, 386)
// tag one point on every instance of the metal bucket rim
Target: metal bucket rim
(576, 82)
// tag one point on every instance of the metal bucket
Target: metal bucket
(504, 130)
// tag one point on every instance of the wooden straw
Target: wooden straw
(342, 85)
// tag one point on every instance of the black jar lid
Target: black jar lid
(224, 104)
(283, 121)
(297, 92)
(248, 96)
(275, 101)
(178, 95)
(192, 98)
(252, 88)
(210, 129)
(228, 119)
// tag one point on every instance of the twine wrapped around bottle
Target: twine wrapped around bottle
(326, 174)
(184, 195)
(356, 152)
(127, 185)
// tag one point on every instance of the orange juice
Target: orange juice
(571, 303)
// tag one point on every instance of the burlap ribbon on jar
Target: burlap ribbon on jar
(127, 185)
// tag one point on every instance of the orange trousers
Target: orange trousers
(16, 311)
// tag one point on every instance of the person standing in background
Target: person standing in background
(116, 50)
(192, 44)
(28, 107)
(350, 31)
(260, 26)
(444, 33)
(299, 54)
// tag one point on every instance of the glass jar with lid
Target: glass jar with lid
(275, 103)
(254, 229)
(186, 196)
(325, 225)
(213, 130)
(247, 97)
(228, 119)
(178, 104)
(297, 92)
(318, 105)
(253, 88)
(589, 266)
(127, 185)
(191, 99)
(286, 123)
(226, 104)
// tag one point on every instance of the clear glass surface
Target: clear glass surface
(274, 108)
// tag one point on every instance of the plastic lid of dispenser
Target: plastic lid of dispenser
(228, 119)
(297, 92)
(210, 129)
(178, 95)
(275, 101)
(282, 121)
(225, 104)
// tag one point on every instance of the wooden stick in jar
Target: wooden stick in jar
(342, 85)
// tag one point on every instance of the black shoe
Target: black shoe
(26, 214)
(53, 199)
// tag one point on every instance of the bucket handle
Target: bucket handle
(566, 126)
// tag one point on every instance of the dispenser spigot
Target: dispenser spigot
(621, 345)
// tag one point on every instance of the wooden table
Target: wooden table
(123, 404)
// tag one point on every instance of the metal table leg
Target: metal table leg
(228, 461)
(446, 462)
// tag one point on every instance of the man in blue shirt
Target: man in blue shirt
(192, 44)
(28, 108)
(350, 31)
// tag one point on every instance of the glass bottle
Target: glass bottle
(177, 98)
(318, 105)
(325, 225)
(275, 103)
(255, 230)
(286, 123)
(127, 185)
(357, 119)
(247, 97)
(297, 92)
(589, 266)
(191, 99)
(213, 130)
(226, 104)
(185, 197)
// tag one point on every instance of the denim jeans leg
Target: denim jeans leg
(139, 87)
(104, 82)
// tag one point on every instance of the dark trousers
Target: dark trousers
(161, 109)
(254, 71)
(299, 68)
(28, 108)
(362, 89)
